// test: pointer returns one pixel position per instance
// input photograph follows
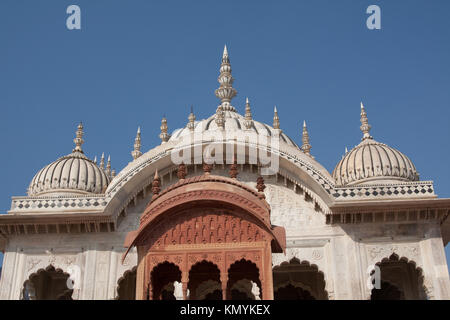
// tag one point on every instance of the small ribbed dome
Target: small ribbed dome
(372, 162)
(70, 175)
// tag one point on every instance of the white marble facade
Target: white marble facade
(341, 223)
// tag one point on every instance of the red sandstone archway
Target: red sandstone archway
(209, 218)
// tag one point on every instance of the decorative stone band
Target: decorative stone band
(38, 224)
(58, 204)
(398, 211)
(419, 189)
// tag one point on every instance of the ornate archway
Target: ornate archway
(126, 285)
(240, 271)
(401, 279)
(207, 217)
(295, 280)
(162, 278)
(204, 281)
(47, 284)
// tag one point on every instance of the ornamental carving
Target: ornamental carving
(376, 253)
(205, 229)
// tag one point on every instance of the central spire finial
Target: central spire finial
(365, 126)
(226, 92)
(79, 139)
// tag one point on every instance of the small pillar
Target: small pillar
(224, 281)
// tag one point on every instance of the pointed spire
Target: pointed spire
(164, 135)
(136, 153)
(78, 139)
(191, 118)
(346, 150)
(365, 126)
(306, 147)
(276, 119)
(226, 92)
(108, 166)
(156, 184)
(248, 122)
(102, 161)
(95, 159)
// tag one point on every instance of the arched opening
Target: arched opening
(400, 280)
(204, 282)
(241, 276)
(47, 284)
(295, 280)
(126, 285)
(387, 292)
(162, 278)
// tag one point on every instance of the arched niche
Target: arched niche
(240, 274)
(162, 278)
(298, 280)
(401, 279)
(204, 281)
(126, 285)
(47, 284)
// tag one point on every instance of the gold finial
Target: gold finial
(136, 153)
(79, 139)
(276, 119)
(365, 126)
(164, 135)
(306, 147)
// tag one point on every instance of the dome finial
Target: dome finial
(79, 139)
(226, 92)
(164, 135)
(191, 118)
(248, 122)
(102, 161)
(276, 119)
(108, 166)
(365, 126)
(136, 153)
(306, 147)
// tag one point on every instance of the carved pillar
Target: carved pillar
(267, 281)
(224, 281)
(141, 290)
(184, 281)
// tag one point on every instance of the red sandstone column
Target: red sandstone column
(184, 282)
(224, 281)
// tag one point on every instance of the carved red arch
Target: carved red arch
(207, 190)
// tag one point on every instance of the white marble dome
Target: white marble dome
(372, 162)
(234, 124)
(73, 174)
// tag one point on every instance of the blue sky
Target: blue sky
(134, 61)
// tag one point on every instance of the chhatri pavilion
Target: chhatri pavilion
(228, 208)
